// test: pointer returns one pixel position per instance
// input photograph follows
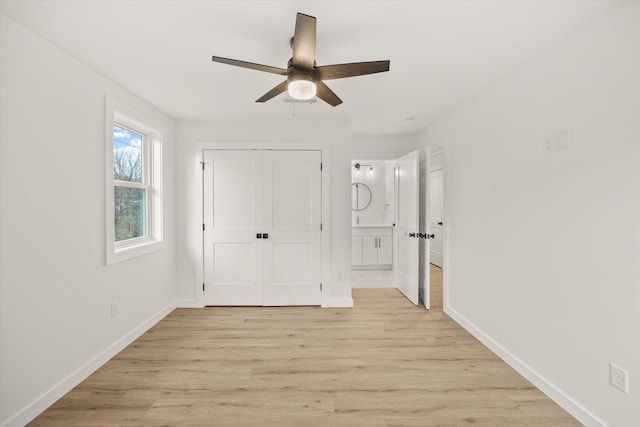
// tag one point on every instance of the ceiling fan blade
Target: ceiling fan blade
(273, 92)
(340, 71)
(327, 95)
(304, 42)
(251, 65)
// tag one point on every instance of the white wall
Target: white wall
(380, 183)
(383, 146)
(545, 247)
(55, 290)
(337, 135)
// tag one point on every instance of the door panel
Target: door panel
(385, 250)
(292, 186)
(292, 280)
(292, 252)
(406, 273)
(232, 217)
(369, 250)
(425, 244)
(233, 199)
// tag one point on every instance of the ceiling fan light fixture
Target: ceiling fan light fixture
(301, 87)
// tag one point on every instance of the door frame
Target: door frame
(200, 147)
(430, 151)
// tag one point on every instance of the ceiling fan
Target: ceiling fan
(304, 78)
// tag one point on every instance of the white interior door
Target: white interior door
(425, 243)
(406, 229)
(232, 216)
(436, 204)
(262, 227)
(291, 220)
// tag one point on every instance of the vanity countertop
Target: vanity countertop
(371, 226)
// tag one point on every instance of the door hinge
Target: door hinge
(320, 226)
(202, 165)
(320, 166)
(202, 227)
(320, 286)
(203, 287)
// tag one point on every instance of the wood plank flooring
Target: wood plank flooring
(435, 274)
(383, 363)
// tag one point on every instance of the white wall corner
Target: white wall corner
(543, 384)
(49, 397)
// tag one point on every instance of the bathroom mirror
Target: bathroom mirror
(360, 196)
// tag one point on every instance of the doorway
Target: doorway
(385, 204)
(432, 225)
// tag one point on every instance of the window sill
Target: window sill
(115, 255)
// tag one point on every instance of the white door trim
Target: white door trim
(440, 148)
(325, 202)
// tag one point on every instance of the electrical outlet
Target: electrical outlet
(559, 141)
(619, 378)
(114, 309)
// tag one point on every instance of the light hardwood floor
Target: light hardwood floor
(435, 273)
(383, 363)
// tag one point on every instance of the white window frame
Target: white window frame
(121, 115)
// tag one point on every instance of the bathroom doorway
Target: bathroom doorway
(372, 220)
(385, 224)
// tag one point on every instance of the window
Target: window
(130, 184)
(134, 184)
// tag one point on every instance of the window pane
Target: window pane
(127, 155)
(130, 212)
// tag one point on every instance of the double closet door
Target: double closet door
(262, 227)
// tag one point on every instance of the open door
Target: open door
(406, 254)
(425, 243)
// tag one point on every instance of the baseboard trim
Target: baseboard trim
(188, 303)
(48, 398)
(339, 302)
(554, 393)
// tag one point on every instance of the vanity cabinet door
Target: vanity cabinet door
(369, 250)
(385, 250)
(356, 250)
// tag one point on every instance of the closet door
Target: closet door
(232, 217)
(291, 256)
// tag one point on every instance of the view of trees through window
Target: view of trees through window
(130, 190)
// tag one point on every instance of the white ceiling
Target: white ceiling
(442, 52)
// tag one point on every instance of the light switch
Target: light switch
(561, 140)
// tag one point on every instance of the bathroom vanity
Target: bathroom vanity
(372, 247)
